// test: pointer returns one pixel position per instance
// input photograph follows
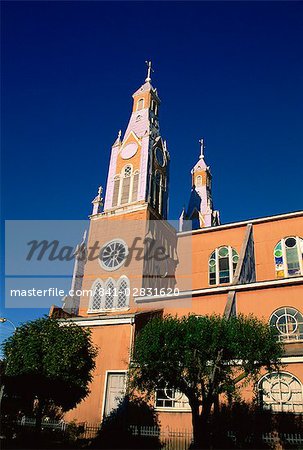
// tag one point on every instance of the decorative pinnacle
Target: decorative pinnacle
(100, 190)
(119, 134)
(202, 147)
(149, 70)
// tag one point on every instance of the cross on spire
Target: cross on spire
(149, 71)
(202, 147)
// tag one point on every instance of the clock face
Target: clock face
(160, 157)
(129, 150)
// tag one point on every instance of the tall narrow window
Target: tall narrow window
(109, 294)
(198, 181)
(222, 265)
(135, 186)
(97, 296)
(116, 191)
(288, 255)
(140, 104)
(126, 184)
(123, 292)
(158, 192)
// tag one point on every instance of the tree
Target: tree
(202, 357)
(49, 362)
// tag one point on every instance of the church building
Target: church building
(253, 266)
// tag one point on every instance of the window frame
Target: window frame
(231, 269)
(288, 337)
(280, 403)
(174, 400)
(284, 265)
(116, 286)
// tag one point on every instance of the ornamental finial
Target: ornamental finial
(202, 147)
(149, 71)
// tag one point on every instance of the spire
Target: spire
(97, 202)
(202, 147)
(149, 70)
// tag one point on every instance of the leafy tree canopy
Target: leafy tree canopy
(202, 356)
(49, 360)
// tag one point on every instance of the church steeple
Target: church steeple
(138, 170)
(200, 207)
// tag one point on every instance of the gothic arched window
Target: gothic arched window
(116, 190)
(96, 301)
(288, 255)
(140, 104)
(135, 186)
(109, 294)
(126, 182)
(288, 323)
(123, 292)
(281, 392)
(222, 265)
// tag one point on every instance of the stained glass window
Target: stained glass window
(288, 254)
(222, 265)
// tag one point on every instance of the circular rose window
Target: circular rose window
(113, 254)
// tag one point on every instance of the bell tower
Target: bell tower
(139, 162)
(200, 207)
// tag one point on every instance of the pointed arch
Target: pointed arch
(123, 292)
(97, 297)
(109, 294)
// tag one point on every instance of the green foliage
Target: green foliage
(116, 430)
(202, 356)
(51, 361)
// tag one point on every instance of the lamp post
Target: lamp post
(5, 319)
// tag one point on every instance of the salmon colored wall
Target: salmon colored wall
(266, 236)
(202, 245)
(262, 303)
(113, 343)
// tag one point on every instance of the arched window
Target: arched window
(222, 265)
(198, 181)
(123, 292)
(97, 296)
(289, 324)
(109, 294)
(288, 255)
(281, 391)
(135, 186)
(116, 190)
(126, 181)
(140, 104)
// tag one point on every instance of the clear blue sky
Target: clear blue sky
(230, 72)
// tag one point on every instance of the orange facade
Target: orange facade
(251, 267)
(262, 297)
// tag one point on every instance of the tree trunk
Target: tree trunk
(200, 422)
(39, 414)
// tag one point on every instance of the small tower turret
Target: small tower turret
(200, 207)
